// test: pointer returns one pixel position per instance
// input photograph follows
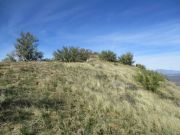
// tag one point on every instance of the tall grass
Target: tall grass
(79, 98)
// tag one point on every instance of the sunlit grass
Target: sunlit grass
(83, 98)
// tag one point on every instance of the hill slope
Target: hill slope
(83, 98)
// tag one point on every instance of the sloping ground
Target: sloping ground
(83, 98)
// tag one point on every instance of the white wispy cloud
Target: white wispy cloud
(164, 37)
(167, 34)
(22, 17)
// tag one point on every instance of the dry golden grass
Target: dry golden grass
(93, 98)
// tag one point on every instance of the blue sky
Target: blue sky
(148, 28)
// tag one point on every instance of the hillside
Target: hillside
(92, 98)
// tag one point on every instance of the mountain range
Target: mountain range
(172, 75)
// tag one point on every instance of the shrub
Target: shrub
(72, 54)
(150, 80)
(140, 66)
(126, 59)
(46, 59)
(10, 57)
(108, 56)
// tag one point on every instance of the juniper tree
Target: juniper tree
(26, 47)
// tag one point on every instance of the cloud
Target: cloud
(161, 35)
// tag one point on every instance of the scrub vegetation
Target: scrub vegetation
(72, 54)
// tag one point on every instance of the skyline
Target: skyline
(148, 29)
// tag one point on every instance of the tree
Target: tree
(108, 56)
(72, 54)
(126, 59)
(26, 47)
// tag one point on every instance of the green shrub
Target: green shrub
(140, 66)
(150, 80)
(126, 59)
(72, 54)
(9, 58)
(108, 56)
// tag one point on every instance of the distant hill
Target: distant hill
(171, 75)
(174, 78)
(168, 72)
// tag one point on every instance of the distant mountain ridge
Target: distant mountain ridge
(168, 72)
(172, 75)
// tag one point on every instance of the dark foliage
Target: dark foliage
(26, 48)
(126, 59)
(150, 80)
(140, 66)
(72, 54)
(108, 56)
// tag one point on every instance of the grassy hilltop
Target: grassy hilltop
(91, 98)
